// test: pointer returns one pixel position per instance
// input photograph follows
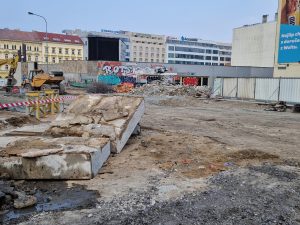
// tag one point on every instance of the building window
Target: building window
(141, 54)
(157, 55)
(146, 60)
(152, 60)
(79, 52)
(134, 54)
(141, 60)
(66, 58)
(208, 57)
(163, 60)
(46, 58)
(134, 59)
(37, 49)
(228, 59)
(222, 59)
(59, 59)
(171, 55)
(208, 51)
(66, 51)
(53, 50)
(53, 60)
(46, 49)
(134, 48)
(146, 54)
(6, 56)
(157, 60)
(147, 49)
(215, 58)
(6, 67)
(36, 58)
(215, 52)
(152, 54)
(73, 51)
(60, 50)
(29, 58)
(152, 49)
(157, 49)
(141, 48)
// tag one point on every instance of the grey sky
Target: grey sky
(212, 20)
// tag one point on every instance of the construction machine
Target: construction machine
(39, 80)
(13, 63)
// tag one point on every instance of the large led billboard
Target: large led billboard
(289, 39)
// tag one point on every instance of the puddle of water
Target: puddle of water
(70, 199)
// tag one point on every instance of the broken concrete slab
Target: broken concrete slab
(111, 116)
(72, 158)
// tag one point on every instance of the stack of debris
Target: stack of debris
(156, 89)
(277, 107)
(84, 136)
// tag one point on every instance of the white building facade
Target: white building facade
(194, 51)
(254, 45)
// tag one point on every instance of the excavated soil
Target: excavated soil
(196, 162)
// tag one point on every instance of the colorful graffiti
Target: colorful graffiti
(131, 69)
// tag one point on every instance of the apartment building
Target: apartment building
(147, 47)
(194, 51)
(39, 47)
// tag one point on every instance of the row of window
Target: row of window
(147, 49)
(147, 54)
(60, 51)
(196, 50)
(149, 43)
(199, 57)
(55, 60)
(198, 44)
(147, 60)
(194, 63)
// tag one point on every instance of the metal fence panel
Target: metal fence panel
(246, 88)
(217, 91)
(290, 90)
(267, 89)
(230, 87)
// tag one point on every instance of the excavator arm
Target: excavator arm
(13, 63)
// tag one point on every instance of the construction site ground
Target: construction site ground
(195, 162)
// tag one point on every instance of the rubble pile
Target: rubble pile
(99, 116)
(157, 89)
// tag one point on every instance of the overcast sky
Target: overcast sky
(210, 20)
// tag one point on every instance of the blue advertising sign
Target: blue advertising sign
(289, 44)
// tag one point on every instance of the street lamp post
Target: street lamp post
(47, 55)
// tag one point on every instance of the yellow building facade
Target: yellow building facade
(38, 47)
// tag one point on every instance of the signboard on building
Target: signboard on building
(289, 39)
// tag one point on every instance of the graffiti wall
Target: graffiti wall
(131, 72)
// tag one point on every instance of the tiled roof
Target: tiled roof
(17, 35)
(59, 38)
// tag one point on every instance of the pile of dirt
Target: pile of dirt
(157, 89)
(17, 121)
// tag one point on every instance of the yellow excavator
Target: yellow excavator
(36, 80)
(13, 63)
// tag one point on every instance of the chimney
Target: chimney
(265, 18)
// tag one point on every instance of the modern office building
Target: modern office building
(147, 47)
(254, 45)
(38, 47)
(194, 51)
(110, 37)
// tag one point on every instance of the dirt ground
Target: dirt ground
(196, 162)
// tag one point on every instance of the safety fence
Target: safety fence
(260, 89)
(40, 103)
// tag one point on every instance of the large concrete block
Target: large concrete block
(111, 116)
(68, 160)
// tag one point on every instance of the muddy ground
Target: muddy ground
(196, 162)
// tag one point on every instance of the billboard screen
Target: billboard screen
(289, 39)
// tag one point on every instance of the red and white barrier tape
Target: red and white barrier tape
(29, 103)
